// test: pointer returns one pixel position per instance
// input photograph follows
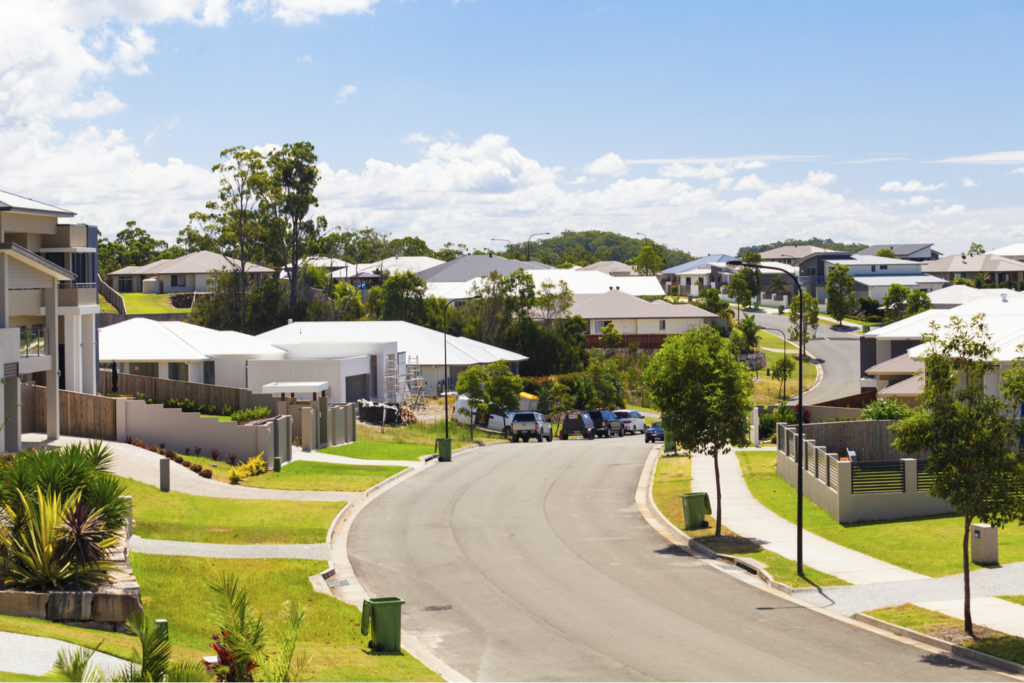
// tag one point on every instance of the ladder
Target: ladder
(414, 382)
(391, 378)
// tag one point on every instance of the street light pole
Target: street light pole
(799, 414)
(444, 325)
(536, 234)
(508, 242)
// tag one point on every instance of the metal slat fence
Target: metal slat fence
(878, 477)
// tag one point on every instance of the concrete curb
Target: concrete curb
(652, 514)
(956, 650)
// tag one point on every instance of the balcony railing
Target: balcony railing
(34, 341)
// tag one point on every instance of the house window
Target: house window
(872, 269)
(177, 280)
(178, 371)
(144, 369)
(883, 267)
(661, 325)
(208, 374)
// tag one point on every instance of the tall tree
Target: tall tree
(132, 246)
(703, 394)
(503, 388)
(918, 301)
(400, 297)
(739, 287)
(553, 302)
(970, 434)
(472, 383)
(839, 287)
(293, 180)
(810, 326)
(237, 211)
(895, 303)
(648, 261)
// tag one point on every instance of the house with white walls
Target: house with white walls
(48, 307)
(188, 273)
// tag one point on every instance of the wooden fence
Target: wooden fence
(80, 414)
(161, 390)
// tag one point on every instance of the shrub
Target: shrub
(886, 409)
(206, 474)
(215, 454)
(188, 451)
(247, 414)
(196, 467)
(232, 458)
(255, 465)
(770, 418)
(178, 459)
(197, 450)
(235, 477)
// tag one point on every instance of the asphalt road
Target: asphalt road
(532, 562)
(837, 353)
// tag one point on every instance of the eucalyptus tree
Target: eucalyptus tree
(293, 177)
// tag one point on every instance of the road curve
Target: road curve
(532, 562)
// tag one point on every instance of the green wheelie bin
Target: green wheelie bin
(695, 506)
(382, 621)
(444, 450)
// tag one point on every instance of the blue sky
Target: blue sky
(705, 125)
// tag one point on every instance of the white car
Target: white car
(632, 421)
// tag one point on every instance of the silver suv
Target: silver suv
(632, 421)
(529, 425)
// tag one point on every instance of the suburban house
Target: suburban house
(692, 277)
(995, 269)
(394, 357)
(911, 252)
(47, 310)
(369, 274)
(791, 255)
(578, 281)
(1014, 251)
(958, 295)
(188, 273)
(615, 268)
(473, 266)
(872, 275)
(640, 322)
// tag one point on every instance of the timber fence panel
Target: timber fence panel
(161, 390)
(87, 415)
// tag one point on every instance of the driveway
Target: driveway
(531, 562)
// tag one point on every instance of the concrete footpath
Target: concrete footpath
(875, 583)
(35, 656)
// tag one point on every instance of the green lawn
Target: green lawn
(177, 589)
(116, 644)
(137, 302)
(425, 434)
(181, 517)
(947, 628)
(380, 450)
(767, 390)
(672, 478)
(304, 475)
(1019, 599)
(928, 545)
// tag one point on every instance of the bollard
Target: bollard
(277, 463)
(165, 474)
(162, 628)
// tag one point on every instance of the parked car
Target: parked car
(461, 413)
(606, 423)
(530, 424)
(577, 422)
(632, 421)
(654, 433)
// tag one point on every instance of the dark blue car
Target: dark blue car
(654, 433)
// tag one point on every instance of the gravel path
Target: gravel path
(35, 656)
(295, 551)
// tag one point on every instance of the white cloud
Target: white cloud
(1010, 157)
(968, 182)
(725, 183)
(916, 200)
(820, 178)
(343, 94)
(294, 12)
(751, 182)
(909, 186)
(418, 137)
(706, 172)
(1018, 170)
(611, 164)
(306, 59)
(949, 210)
(874, 160)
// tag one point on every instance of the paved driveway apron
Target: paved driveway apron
(532, 562)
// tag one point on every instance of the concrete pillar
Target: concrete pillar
(165, 474)
(755, 427)
(72, 352)
(909, 475)
(53, 374)
(4, 288)
(844, 487)
(90, 364)
(12, 415)
(322, 431)
(308, 428)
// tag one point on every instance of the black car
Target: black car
(577, 422)
(606, 423)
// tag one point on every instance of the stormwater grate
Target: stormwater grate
(337, 583)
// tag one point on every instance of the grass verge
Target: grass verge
(926, 545)
(181, 517)
(672, 478)
(174, 588)
(951, 630)
(424, 434)
(115, 644)
(304, 475)
(380, 450)
(1018, 599)
(137, 302)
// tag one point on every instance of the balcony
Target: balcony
(76, 294)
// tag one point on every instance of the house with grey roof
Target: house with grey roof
(993, 268)
(472, 266)
(874, 275)
(912, 252)
(791, 254)
(695, 276)
(188, 273)
(641, 322)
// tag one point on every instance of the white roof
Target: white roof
(414, 340)
(18, 204)
(1014, 251)
(142, 339)
(392, 264)
(890, 280)
(871, 260)
(578, 281)
(957, 295)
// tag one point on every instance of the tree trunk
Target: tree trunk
(293, 296)
(968, 623)
(718, 497)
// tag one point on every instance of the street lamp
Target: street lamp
(536, 234)
(508, 242)
(446, 447)
(644, 236)
(799, 414)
